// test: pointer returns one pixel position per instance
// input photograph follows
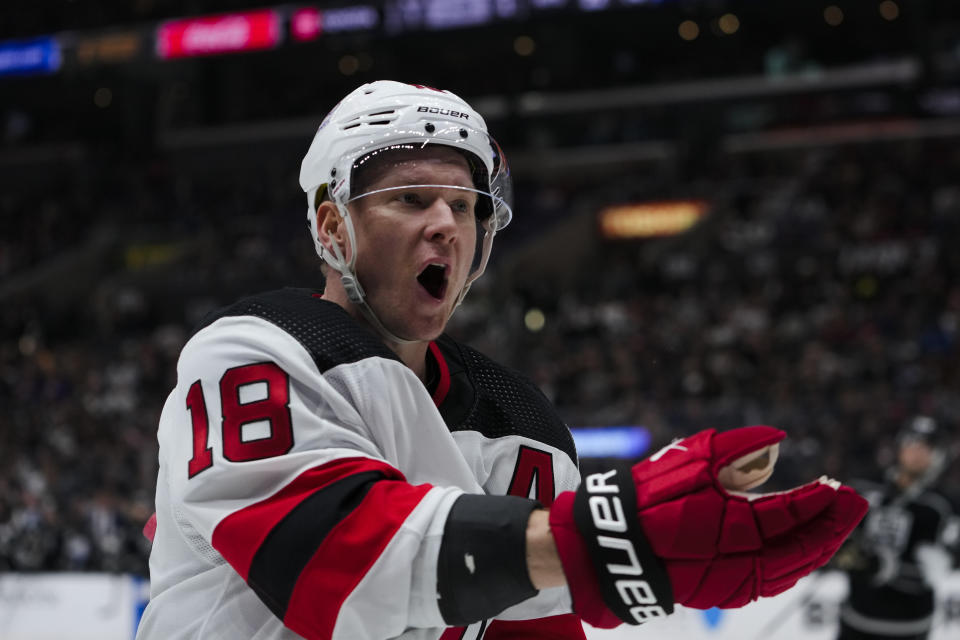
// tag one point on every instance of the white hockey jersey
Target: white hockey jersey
(306, 475)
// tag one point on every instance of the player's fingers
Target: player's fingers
(778, 513)
(830, 528)
(773, 586)
(793, 555)
(851, 507)
(843, 517)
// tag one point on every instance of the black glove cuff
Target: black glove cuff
(633, 582)
(482, 568)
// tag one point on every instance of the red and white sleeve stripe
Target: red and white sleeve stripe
(305, 548)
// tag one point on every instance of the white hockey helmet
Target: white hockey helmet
(386, 114)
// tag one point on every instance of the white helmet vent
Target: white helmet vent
(377, 118)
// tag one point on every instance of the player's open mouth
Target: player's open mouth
(434, 279)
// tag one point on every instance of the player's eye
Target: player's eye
(410, 198)
(461, 206)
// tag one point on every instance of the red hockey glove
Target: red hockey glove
(695, 538)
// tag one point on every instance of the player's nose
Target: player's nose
(441, 221)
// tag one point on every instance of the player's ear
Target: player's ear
(330, 226)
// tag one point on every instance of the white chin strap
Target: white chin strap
(351, 285)
(357, 296)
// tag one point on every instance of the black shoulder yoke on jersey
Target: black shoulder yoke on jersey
(484, 396)
(325, 330)
(497, 401)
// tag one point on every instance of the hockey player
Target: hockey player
(902, 548)
(333, 466)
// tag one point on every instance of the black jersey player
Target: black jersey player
(903, 545)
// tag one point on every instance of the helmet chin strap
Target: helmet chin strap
(355, 292)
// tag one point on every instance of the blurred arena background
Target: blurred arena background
(728, 212)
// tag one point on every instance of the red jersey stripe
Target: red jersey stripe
(453, 633)
(345, 556)
(238, 536)
(443, 385)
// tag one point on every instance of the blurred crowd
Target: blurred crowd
(820, 295)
